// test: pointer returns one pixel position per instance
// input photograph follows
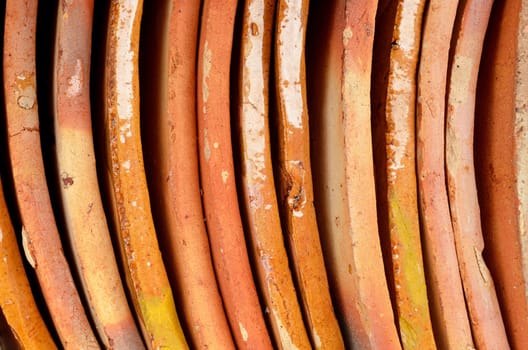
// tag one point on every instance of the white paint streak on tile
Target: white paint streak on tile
(26, 245)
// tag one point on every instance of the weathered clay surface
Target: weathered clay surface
(168, 82)
(40, 237)
(501, 162)
(402, 207)
(146, 277)
(81, 201)
(224, 223)
(484, 312)
(339, 82)
(262, 211)
(16, 299)
(448, 308)
(295, 179)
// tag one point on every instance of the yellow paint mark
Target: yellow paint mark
(408, 334)
(161, 321)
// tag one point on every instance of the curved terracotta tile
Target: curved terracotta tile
(448, 308)
(384, 30)
(295, 185)
(16, 299)
(81, 201)
(168, 81)
(339, 81)
(261, 206)
(145, 273)
(517, 319)
(224, 223)
(407, 272)
(520, 97)
(40, 236)
(500, 161)
(373, 303)
(486, 321)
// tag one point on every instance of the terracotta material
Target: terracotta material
(296, 192)
(339, 78)
(169, 100)
(40, 236)
(222, 211)
(145, 273)
(384, 31)
(81, 202)
(261, 207)
(501, 141)
(16, 300)
(448, 308)
(521, 118)
(402, 208)
(486, 321)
